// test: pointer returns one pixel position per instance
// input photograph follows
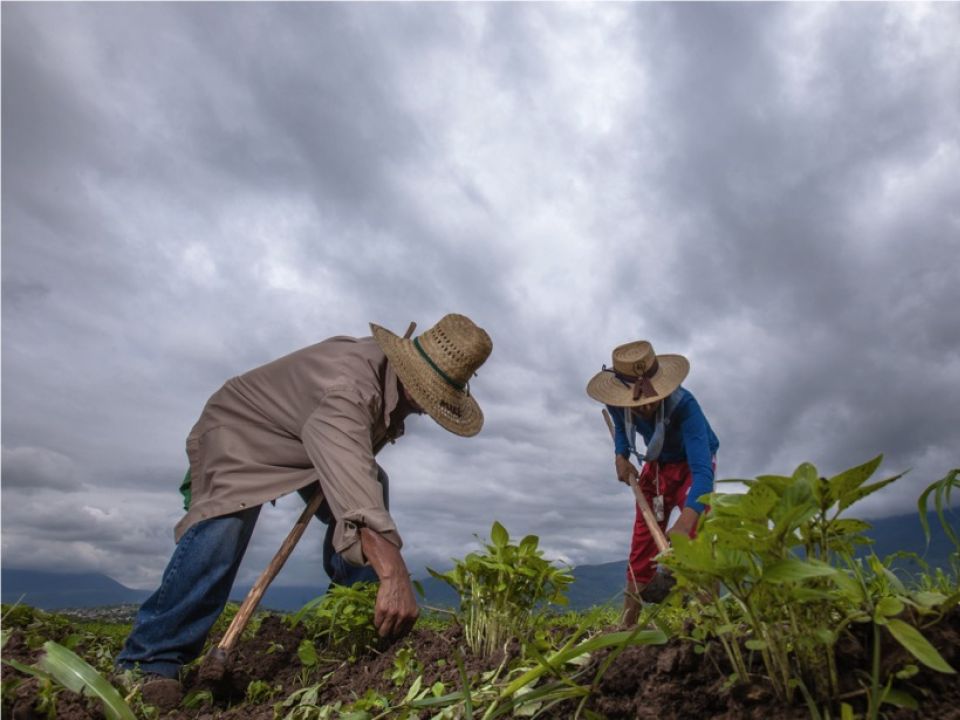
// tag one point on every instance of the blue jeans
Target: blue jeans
(173, 623)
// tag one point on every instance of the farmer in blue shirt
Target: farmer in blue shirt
(642, 391)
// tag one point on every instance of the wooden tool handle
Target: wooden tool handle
(658, 537)
(253, 598)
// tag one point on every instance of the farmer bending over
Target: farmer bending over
(311, 421)
(642, 392)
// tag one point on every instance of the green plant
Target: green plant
(879, 598)
(404, 665)
(503, 590)
(303, 704)
(38, 626)
(59, 665)
(775, 550)
(198, 699)
(342, 619)
(941, 491)
(260, 691)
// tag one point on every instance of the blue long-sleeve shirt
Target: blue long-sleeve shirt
(688, 437)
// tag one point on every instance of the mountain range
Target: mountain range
(593, 584)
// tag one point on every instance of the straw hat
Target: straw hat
(436, 368)
(638, 376)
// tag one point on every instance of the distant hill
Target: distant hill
(593, 584)
(904, 533)
(51, 590)
(56, 591)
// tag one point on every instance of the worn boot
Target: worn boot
(162, 692)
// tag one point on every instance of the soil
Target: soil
(667, 682)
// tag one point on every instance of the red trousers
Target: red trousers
(675, 479)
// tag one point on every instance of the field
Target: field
(772, 616)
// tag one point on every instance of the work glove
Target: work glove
(625, 469)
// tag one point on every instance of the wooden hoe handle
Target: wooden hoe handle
(253, 598)
(658, 537)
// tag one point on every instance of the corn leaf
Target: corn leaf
(75, 674)
(942, 488)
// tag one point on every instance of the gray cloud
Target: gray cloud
(191, 190)
(31, 469)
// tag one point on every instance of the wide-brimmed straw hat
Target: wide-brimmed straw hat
(436, 368)
(638, 377)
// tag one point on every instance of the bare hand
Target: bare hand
(396, 610)
(625, 469)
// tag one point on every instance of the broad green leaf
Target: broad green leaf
(794, 569)
(529, 543)
(848, 526)
(849, 480)
(918, 645)
(414, 689)
(795, 507)
(849, 586)
(805, 473)
(928, 599)
(951, 602)
(754, 504)
(499, 535)
(75, 674)
(899, 698)
(889, 607)
(853, 496)
(777, 483)
(756, 644)
(789, 519)
(882, 570)
(907, 672)
(307, 652)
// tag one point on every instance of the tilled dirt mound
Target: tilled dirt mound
(668, 682)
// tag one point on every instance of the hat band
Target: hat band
(640, 383)
(446, 378)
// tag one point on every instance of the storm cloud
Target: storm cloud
(191, 190)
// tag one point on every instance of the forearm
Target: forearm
(620, 444)
(384, 557)
(396, 609)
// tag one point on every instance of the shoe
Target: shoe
(162, 692)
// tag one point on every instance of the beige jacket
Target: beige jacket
(319, 414)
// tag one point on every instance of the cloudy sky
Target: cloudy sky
(190, 191)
